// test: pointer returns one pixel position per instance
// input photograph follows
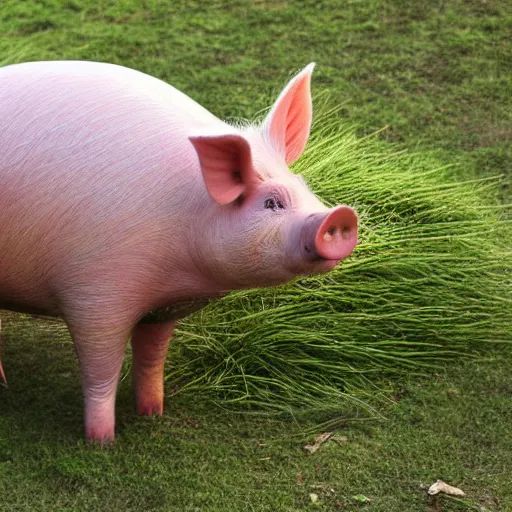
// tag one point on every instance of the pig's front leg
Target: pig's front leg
(150, 343)
(100, 348)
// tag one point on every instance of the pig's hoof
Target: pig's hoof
(150, 409)
(100, 437)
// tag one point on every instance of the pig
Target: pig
(125, 205)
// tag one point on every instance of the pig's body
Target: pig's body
(99, 171)
(105, 216)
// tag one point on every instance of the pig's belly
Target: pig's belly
(168, 313)
(175, 311)
(20, 307)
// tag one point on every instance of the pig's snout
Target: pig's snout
(330, 235)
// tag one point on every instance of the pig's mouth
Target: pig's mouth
(317, 263)
(325, 265)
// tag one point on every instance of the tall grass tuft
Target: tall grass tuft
(430, 281)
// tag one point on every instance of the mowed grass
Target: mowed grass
(454, 426)
(439, 75)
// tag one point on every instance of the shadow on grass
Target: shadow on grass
(43, 398)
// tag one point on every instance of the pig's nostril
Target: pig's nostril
(346, 232)
(329, 234)
(337, 232)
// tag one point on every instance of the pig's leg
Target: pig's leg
(100, 347)
(150, 343)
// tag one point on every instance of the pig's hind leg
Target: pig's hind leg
(150, 343)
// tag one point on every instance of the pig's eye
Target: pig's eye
(273, 204)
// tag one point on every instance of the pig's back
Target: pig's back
(86, 136)
(93, 129)
(87, 117)
(76, 86)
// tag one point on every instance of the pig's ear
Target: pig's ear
(289, 121)
(226, 164)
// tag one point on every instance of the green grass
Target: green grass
(439, 75)
(455, 427)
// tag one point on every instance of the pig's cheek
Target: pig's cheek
(269, 248)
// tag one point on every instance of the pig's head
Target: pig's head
(265, 226)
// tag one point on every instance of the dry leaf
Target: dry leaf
(361, 498)
(319, 440)
(313, 497)
(443, 487)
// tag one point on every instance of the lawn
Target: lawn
(437, 75)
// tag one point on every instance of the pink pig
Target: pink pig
(121, 196)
